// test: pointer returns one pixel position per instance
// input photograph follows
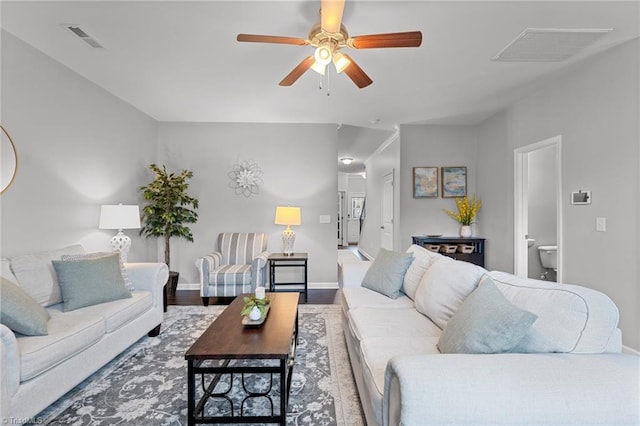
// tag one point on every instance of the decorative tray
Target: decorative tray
(247, 321)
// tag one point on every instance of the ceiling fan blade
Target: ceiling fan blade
(255, 38)
(297, 72)
(408, 39)
(331, 15)
(356, 74)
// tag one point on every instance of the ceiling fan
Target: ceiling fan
(329, 36)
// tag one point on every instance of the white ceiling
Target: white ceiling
(179, 60)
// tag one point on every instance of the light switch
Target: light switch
(325, 218)
(601, 224)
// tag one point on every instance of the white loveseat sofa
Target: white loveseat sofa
(37, 370)
(572, 371)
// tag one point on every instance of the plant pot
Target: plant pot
(172, 282)
(255, 314)
(465, 231)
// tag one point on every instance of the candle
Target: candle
(260, 293)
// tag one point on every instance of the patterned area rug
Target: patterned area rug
(146, 385)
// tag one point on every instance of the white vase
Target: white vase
(465, 231)
(255, 314)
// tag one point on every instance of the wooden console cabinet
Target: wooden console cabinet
(475, 257)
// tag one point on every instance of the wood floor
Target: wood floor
(192, 297)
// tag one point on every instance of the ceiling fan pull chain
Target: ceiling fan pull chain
(328, 81)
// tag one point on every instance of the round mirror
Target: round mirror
(8, 161)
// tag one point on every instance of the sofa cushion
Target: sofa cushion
(571, 318)
(123, 270)
(360, 297)
(376, 353)
(377, 322)
(443, 288)
(20, 312)
(36, 275)
(69, 334)
(90, 281)
(485, 323)
(386, 273)
(422, 260)
(118, 312)
(231, 274)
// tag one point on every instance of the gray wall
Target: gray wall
(594, 107)
(78, 148)
(434, 146)
(299, 168)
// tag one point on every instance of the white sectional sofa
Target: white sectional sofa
(567, 369)
(37, 370)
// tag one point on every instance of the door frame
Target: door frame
(521, 185)
(383, 229)
(342, 231)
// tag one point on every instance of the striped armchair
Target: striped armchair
(238, 265)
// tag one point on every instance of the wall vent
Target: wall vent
(549, 44)
(83, 35)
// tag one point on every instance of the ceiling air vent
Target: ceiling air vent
(82, 35)
(549, 44)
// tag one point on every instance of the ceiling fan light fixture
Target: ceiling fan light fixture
(318, 67)
(346, 160)
(341, 62)
(323, 54)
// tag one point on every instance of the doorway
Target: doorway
(538, 207)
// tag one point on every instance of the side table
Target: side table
(281, 260)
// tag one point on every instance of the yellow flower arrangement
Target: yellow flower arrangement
(467, 210)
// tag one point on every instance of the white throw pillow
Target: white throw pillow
(422, 260)
(444, 287)
(36, 276)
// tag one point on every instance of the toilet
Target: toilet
(549, 256)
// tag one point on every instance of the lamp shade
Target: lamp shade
(287, 215)
(119, 217)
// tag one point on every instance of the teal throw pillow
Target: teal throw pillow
(20, 312)
(86, 282)
(386, 273)
(485, 323)
(123, 270)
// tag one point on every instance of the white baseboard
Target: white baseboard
(323, 286)
(188, 286)
(628, 350)
(311, 286)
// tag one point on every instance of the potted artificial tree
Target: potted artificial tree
(169, 209)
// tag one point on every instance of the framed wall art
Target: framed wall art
(454, 182)
(425, 182)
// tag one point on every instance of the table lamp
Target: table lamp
(288, 216)
(120, 217)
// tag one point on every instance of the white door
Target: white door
(354, 212)
(526, 242)
(386, 240)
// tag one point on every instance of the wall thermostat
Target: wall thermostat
(581, 197)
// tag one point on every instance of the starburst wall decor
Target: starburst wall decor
(246, 178)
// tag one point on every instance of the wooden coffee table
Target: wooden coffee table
(221, 349)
